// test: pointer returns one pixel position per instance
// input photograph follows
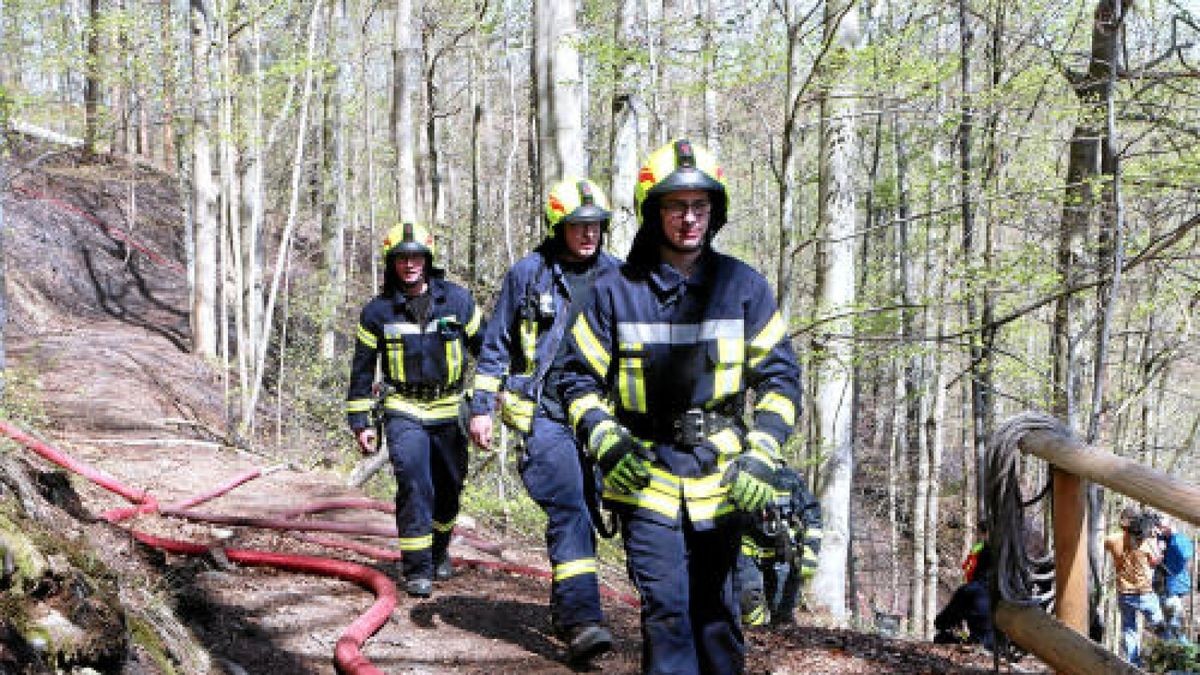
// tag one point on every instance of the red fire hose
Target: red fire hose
(347, 653)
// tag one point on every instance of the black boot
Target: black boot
(587, 641)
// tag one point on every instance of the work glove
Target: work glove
(749, 481)
(616, 453)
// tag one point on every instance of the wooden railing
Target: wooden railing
(1063, 644)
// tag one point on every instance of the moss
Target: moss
(28, 560)
(143, 634)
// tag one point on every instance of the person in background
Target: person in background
(971, 603)
(540, 295)
(1135, 551)
(1176, 576)
(419, 329)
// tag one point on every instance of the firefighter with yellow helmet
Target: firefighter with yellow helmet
(539, 296)
(656, 372)
(419, 329)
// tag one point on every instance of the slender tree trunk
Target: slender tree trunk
(204, 213)
(91, 83)
(169, 160)
(628, 115)
(787, 161)
(835, 293)
(404, 80)
(289, 228)
(559, 95)
(336, 199)
(708, 20)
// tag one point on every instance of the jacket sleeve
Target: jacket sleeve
(586, 357)
(368, 340)
(772, 371)
(495, 353)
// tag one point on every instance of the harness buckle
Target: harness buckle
(690, 427)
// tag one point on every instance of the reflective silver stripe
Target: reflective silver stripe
(681, 333)
(407, 328)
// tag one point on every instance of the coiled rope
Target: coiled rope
(1020, 578)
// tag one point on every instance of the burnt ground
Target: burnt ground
(98, 323)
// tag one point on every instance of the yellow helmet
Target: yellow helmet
(407, 238)
(679, 165)
(576, 200)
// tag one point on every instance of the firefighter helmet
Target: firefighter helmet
(576, 200)
(680, 165)
(408, 237)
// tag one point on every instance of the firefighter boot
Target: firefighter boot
(443, 569)
(419, 587)
(587, 641)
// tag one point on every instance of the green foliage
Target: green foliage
(1163, 656)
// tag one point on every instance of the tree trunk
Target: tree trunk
(628, 116)
(835, 293)
(204, 213)
(559, 92)
(91, 83)
(336, 199)
(404, 86)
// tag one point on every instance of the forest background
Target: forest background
(967, 209)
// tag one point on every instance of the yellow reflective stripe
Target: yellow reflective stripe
(779, 404)
(486, 382)
(367, 337)
(473, 324)
(764, 446)
(631, 379)
(443, 527)
(727, 376)
(597, 356)
(416, 543)
(395, 359)
(444, 408)
(454, 361)
(574, 568)
(727, 442)
(765, 341)
(359, 405)
(706, 497)
(756, 616)
(527, 335)
(517, 411)
(582, 406)
(749, 548)
(662, 495)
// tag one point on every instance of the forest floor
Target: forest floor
(98, 329)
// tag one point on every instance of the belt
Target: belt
(690, 427)
(425, 391)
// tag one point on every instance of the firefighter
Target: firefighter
(419, 328)
(675, 339)
(779, 553)
(540, 294)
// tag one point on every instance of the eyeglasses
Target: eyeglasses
(678, 208)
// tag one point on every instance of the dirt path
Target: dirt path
(102, 328)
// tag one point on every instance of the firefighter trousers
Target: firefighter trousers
(430, 464)
(554, 477)
(689, 608)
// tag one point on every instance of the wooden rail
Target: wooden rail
(1063, 643)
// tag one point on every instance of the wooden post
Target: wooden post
(1070, 550)
(1064, 650)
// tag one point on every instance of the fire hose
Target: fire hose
(347, 652)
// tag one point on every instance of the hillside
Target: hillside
(97, 345)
